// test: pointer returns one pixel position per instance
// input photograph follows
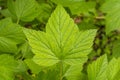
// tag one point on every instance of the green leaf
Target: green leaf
(112, 7)
(10, 35)
(74, 72)
(21, 67)
(25, 76)
(25, 50)
(77, 6)
(66, 2)
(7, 67)
(106, 7)
(6, 13)
(116, 49)
(83, 76)
(97, 70)
(41, 1)
(100, 1)
(62, 41)
(24, 10)
(83, 7)
(117, 77)
(113, 69)
(33, 66)
(47, 75)
(101, 70)
(86, 26)
(44, 12)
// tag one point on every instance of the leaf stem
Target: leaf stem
(61, 70)
(18, 20)
(100, 17)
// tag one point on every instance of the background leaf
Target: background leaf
(74, 72)
(24, 10)
(113, 69)
(116, 49)
(7, 67)
(8, 36)
(112, 18)
(77, 6)
(97, 70)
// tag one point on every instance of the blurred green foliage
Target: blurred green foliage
(16, 15)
